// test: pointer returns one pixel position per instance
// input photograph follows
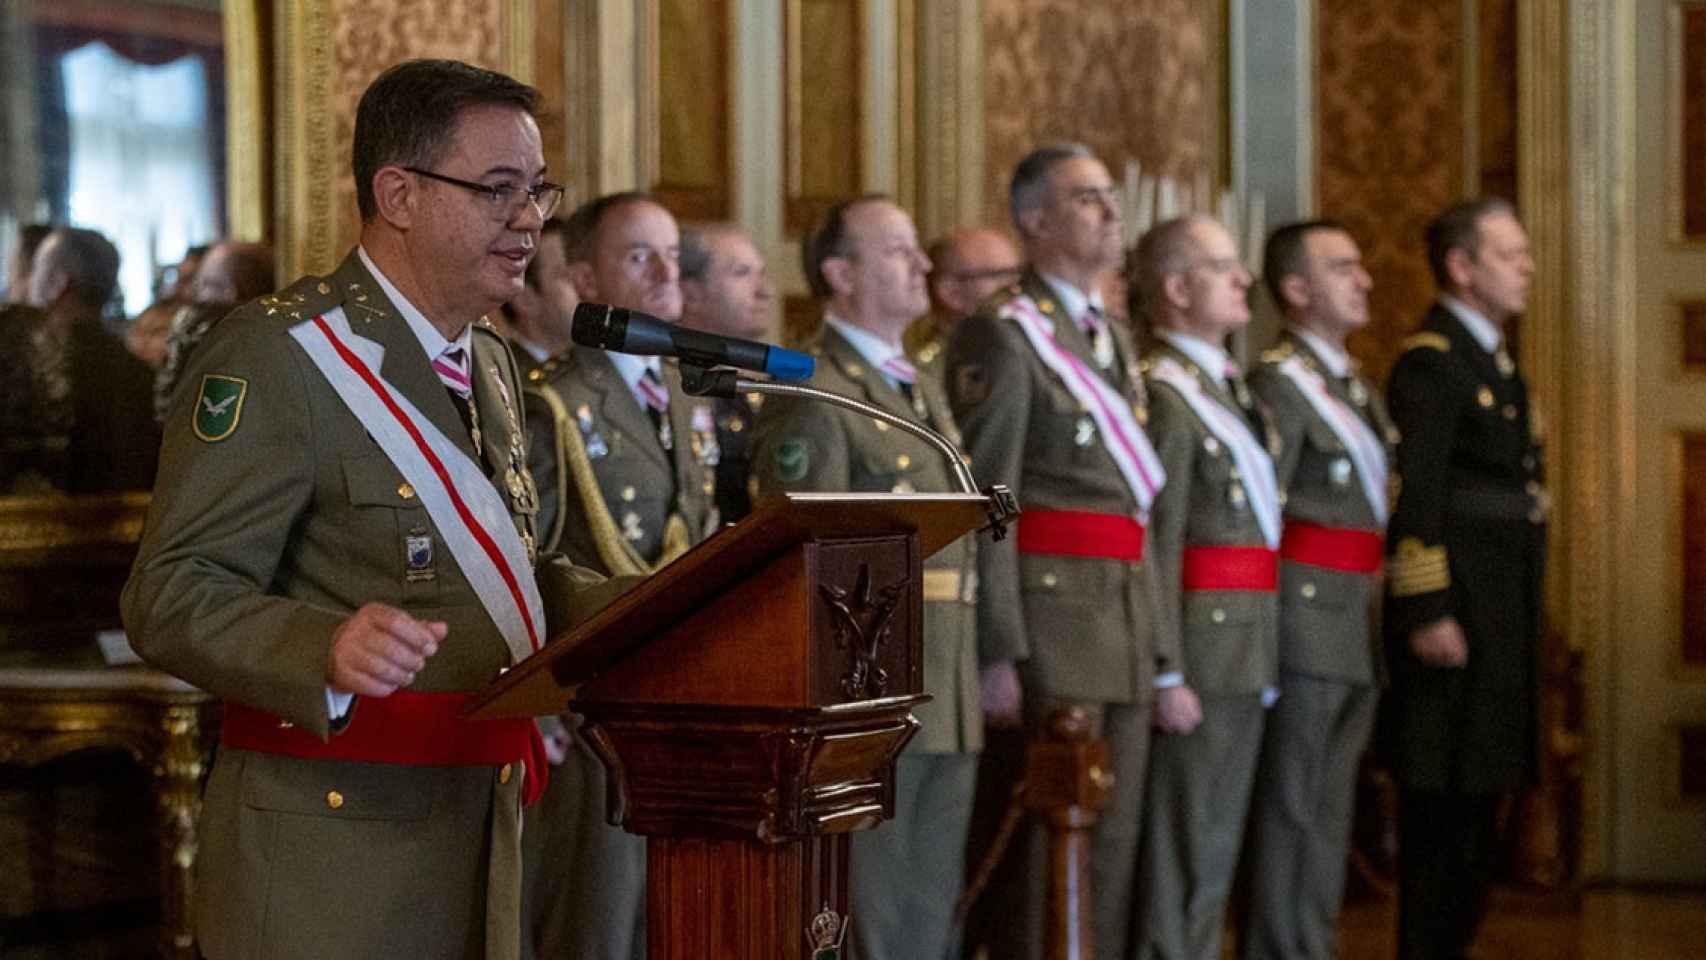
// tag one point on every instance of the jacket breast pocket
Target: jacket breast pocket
(334, 790)
(1071, 435)
(389, 528)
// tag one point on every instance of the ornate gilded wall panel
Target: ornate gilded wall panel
(693, 108)
(1390, 145)
(1692, 598)
(1133, 79)
(823, 107)
(1688, 55)
(329, 51)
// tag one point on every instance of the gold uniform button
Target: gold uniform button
(334, 799)
(324, 289)
(880, 425)
(903, 461)
(1510, 411)
(628, 494)
(1308, 591)
(1218, 616)
(285, 725)
(406, 490)
(1049, 580)
(505, 772)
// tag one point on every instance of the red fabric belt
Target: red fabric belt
(408, 728)
(1336, 548)
(1229, 568)
(1079, 533)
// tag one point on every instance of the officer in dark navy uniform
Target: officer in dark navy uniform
(1464, 572)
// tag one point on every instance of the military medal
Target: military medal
(706, 450)
(1507, 367)
(1235, 495)
(1086, 434)
(1359, 393)
(417, 554)
(1339, 472)
(826, 934)
(594, 441)
(631, 527)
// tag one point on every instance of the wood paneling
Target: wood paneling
(1691, 314)
(1134, 79)
(693, 108)
(550, 75)
(1691, 766)
(1692, 42)
(823, 107)
(1390, 111)
(1693, 531)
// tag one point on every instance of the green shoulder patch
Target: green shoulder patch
(218, 406)
(792, 460)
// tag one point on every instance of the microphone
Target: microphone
(630, 331)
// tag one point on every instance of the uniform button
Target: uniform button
(324, 289)
(285, 725)
(881, 426)
(1510, 411)
(1534, 488)
(505, 772)
(406, 490)
(334, 799)
(1049, 580)
(1218, 616)
(903, 461)
(628, 494)
(736, 424)
(1308, 591)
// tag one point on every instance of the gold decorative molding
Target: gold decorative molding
(246, 114)
(949, 116)
(305, 167)
(30, 525)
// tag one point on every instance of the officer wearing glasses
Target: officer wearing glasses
(305, 558)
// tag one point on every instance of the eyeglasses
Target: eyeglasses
(504, 201)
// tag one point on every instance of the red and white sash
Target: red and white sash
(1360, 441)
(467, 509)
(1255, 467)
(1126, 442)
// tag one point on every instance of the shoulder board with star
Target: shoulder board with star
(305, 299)
(486, 326)
(1279, 353)
(1425, 340)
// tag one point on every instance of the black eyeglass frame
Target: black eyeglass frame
(500, 195)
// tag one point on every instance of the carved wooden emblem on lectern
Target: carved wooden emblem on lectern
(864, 620)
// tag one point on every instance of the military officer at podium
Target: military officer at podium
(1216, 534)
(1334, 468)
(626, 470)
(304, 558)
(1463, 613)
(1047, 391)
(863, 259)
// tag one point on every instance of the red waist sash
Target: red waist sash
(408, 728)
(1229, 568)
(1080, 533)
(1335, 548)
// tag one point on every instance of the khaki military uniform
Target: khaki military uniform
(258, 545)
(1467, 540)
(907, 873)
(1084, 629)
(614, 498)
(1330, 663)
(1199, 783)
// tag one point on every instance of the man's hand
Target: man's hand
(1177, 709)
(380, 649)
(1440, 644)
(1002, 698)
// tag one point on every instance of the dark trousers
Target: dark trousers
(1445, 860)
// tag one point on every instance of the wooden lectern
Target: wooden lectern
(748, 702)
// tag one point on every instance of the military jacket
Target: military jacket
(652, 501)
(1326, 616)
(1466, 540)
(1229, 639)
(1086, 628)
(735, 417)
(275, 516)
(804, 445)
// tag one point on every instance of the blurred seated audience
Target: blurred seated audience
(30, 236)
(232, 274)
(78, 407)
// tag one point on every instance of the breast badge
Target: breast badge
(417, 553)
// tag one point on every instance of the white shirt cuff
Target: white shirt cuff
(1172, 678)
(337, 704)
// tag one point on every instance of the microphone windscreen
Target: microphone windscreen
(591, 326)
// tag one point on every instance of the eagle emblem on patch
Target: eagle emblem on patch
(218, 406)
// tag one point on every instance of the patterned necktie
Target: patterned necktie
(902, 371)
(452, 368)
(652, 392)
(1094, 323)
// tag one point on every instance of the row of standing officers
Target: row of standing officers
(1197, 564)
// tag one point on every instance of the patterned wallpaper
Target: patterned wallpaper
(1390, 146)
(1134, 79)
(370, 35)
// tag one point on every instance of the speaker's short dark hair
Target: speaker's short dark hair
(408, 116)
(1459, 228)
(580, 228)
(828, 239)
(1284, 253)
(90, 262)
